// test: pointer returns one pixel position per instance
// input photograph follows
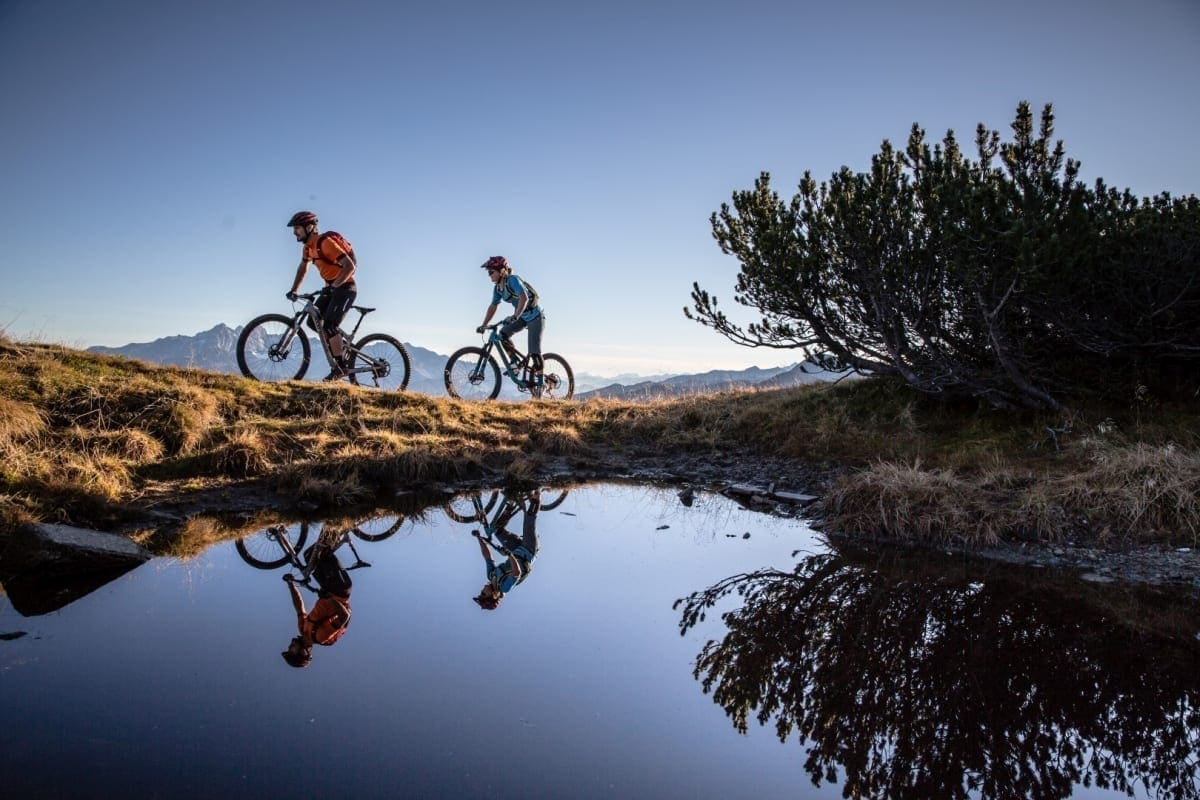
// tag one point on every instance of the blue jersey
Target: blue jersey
(501, 576)
(509, 290)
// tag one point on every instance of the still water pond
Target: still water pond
(801, 671)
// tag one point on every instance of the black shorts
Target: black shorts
(335, 303)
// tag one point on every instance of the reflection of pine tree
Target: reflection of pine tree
(920, 686)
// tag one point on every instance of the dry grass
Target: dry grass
(1136, 493)
(82, 434)
(909, 503)
(19, 422)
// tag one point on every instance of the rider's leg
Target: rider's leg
(506, 334)
(341, 298)
(535, 352)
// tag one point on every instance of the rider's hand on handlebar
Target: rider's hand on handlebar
(481, 329)
(292, 296)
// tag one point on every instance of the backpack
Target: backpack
(339, 240)
(532, 292)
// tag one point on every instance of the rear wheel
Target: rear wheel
(270, 349)
(472, 374)
(553, 499)
(558, 382)
(471, 507)
(376, 529)
(381, 363)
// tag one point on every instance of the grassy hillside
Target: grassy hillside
(87, 439)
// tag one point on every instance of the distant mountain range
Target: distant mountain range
(214, 350)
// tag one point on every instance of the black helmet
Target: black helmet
(297, 654)
(302, 218)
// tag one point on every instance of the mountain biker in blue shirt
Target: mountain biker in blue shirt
(527, 313)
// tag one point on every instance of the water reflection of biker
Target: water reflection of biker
(522, 551)
(330, 615)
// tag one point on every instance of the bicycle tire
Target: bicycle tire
(472, 374)
(257, 548)
(376, 529)
(388, 353)
(558, 381)
(472, 513)
(254, 350)
(556, 500)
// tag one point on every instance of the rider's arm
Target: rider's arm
(522, 301)
(483, 548)
(491, 312)
(348, 266)
(515, 565)
(298, 604)
(301, 271)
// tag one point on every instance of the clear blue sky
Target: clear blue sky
(152, 151)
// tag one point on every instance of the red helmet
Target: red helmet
(495, 262)
(302, 218)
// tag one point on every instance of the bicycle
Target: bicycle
(267, 351)
(472, 372)
(329, 539)
(277, 545)
(469, 508)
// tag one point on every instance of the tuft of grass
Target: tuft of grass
(911, 504)
(336, 492)
(246, 453)
(1137, 493)
(19, 422)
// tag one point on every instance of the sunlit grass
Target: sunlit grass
(82, 435)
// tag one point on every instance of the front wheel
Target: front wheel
(472, 374)
(381, 362)
(262, 550)
(558, 382)
(272, 348)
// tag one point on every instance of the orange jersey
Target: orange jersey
(324, 251)
(326, 623)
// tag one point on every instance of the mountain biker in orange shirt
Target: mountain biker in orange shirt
(337, 267)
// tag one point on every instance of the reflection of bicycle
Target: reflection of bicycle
(473, 507)
(275, 347)
(472, 373)
(277, 545)
(329, 541)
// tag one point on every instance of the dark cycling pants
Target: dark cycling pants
(535, 326)
(334, 303)
(331, 576)
(528, 543)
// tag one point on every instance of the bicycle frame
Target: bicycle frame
(312, 315)
(279, 534)
(515, 363)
